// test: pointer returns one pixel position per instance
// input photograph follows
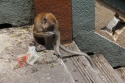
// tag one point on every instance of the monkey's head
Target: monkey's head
(45, 22)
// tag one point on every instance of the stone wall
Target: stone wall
(16, 12)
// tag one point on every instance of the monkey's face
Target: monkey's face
(47, 25)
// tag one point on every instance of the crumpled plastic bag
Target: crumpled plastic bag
(29, 58)
(22, 59)
(33, 55)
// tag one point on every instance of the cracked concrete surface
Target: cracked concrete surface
(48, 68)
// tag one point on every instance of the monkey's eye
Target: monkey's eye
(44, 20)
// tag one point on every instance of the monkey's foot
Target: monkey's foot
(58, 54)
(40, 48)
(50, 33)
(32, 43)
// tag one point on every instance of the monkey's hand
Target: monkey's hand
(43, 34)
(50, 33)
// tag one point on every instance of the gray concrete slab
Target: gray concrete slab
(80, 68)
(48, 68)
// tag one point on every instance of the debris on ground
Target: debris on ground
(22, 60)
(33, 56)
(14, 56)
(30, 58)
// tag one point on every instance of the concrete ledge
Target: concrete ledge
(48, 68)
(92, 42)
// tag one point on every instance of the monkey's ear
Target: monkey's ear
(116, 15)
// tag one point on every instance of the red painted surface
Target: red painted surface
(62, 10)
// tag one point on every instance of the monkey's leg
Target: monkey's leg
(47, 37)
(38, 46)
(48, 42)
(56, 46)
(32, 43)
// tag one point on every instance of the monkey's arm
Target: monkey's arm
(57, 43)
(43, 34)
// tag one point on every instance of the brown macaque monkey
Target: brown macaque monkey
(45, 32)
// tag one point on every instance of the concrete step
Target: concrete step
(82, 72)
(121, 72)
(48, 68)
(79, 67)
(109, 74)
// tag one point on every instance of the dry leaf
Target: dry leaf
(16, 66)
(48, 74)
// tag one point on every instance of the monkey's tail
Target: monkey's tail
(80, 54)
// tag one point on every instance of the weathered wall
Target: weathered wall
(83, 12)
(62, 10)
(16, 12)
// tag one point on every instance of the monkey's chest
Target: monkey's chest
(40, 40)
